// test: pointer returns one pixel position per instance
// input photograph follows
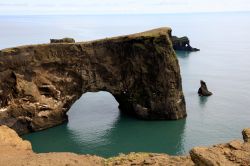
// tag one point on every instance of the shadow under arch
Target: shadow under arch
(133, 135)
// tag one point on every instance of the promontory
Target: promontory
(39, 83)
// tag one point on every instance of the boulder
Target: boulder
(10, 138)
(233, 153)
(246, 135)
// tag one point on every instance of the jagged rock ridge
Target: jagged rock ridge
(39, 83)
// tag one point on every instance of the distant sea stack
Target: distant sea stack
(39, 83)
(182, 44)
(203, 91)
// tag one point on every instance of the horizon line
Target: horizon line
(104, 14)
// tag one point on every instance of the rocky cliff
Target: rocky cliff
(39, 83)
(17, 152)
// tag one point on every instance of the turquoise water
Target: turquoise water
(95, 124)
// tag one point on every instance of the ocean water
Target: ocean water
(96, 125)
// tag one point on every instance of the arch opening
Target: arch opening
(97, 126)
(97, 110)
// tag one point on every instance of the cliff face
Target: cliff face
(39, 83)
(17, 152)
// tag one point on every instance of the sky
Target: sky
(44, 7)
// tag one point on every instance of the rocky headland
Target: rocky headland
(39, 83)
(17, 152)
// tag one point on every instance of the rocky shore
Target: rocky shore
(17, 152)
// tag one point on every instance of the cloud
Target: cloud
(120, 6)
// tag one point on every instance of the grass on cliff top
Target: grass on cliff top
(149, 33)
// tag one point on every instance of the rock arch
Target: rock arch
(39, 83)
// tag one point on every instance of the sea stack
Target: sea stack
(182, 44)
(203, 91)
(39, 83)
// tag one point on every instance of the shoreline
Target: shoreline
(16, 151)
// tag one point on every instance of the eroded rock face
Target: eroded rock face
(142, 159)
(10, 139)
(232, 153)
(17, 152)
(39, 83)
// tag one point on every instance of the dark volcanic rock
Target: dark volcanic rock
(203, 91)
(63, 40)
(182, 44)
(39, 83)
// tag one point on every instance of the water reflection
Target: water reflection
(96, 126)
(202, 100)
(92, 116)
(130, 134)
(56, 139)
(183, 54)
